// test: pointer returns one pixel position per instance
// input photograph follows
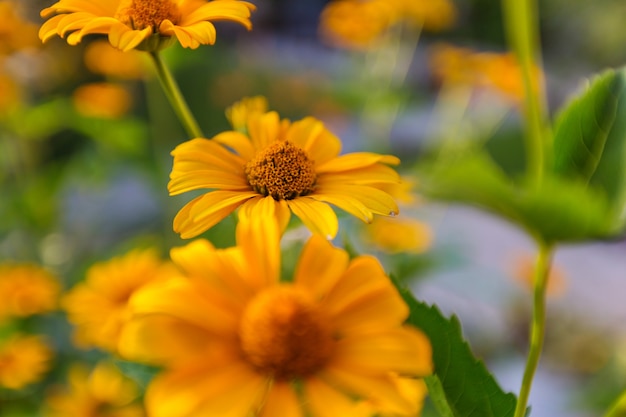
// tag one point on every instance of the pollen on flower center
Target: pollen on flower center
(283, 333)
(283, 171)
(140, 14)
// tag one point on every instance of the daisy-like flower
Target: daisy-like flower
(236, 339)
(103, 392)
(295, 166)
(98, 307)
(143, 24)
(26, 290)
(23, 360)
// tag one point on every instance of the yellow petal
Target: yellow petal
(325, 401)
(218, 387)
(404, 350)
(319, 277)
(311, 135)
(347, 203)
(258, 236)
(355, 161)
(205, 211)
(280, 209)
(201, 306)
(380, 389)
(161, 339)
(235, 11)
(181, 182)
(49, 28)
(281, 401)
(238, 142)
(264, 129)
(372, 174)
(318, 217)
(361, 295)
(375, 200)
(205, 154)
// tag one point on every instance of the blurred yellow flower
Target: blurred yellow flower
(26, 290)
(399, 234)
(142, 24)
(98, 307)
(294, 166)
(360, 24)
(101, 58)
(23, 360)
(11, 96)
(236, 339)
(15, 32)
(239, 113)
(523, 268)
(103, 392)
(102, 100)
(498, 72)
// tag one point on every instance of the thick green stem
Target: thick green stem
(521, 23)
(538, 326)
(176, 98)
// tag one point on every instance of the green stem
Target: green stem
(176, 98)
(618, 408)
(521, 22)
(538, 326)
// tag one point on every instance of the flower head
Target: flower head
(15, 32)
(23, 360)
(236, 339)
(98, 307)
(26, 290)
(102, 58)
(103, 392)
(142, 24)
(295, 167)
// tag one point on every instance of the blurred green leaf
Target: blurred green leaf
(463, 386)
(558, 210)
(590, 138)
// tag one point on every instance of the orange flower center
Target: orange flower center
(283, 333)
(140, 14)
(283, 171)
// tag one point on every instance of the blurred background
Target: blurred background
(86, 132)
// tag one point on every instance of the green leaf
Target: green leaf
(590, 138)
(558, 210)
(466, 389)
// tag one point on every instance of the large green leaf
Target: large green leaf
(557, 210)
(590, 138)
(461, 384)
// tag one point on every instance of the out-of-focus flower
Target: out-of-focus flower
(239, 113)
(23, 360)
(98, 307)
(15, 33)
(399, 233)
(26, 290)
(101, 58)
(236, 338)
(523, 272)
(142, 24)
(295, 167)
(103, 100)
(103, 392)
(360, 24)
(10, 94)
(498, 72)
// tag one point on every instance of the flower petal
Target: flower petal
(220, 386)
(404, 350)
(238, 142)
(199, 154)
(325, 401)
(361, 294)
(319, 277)
(264, 129)
(281, 401)
(280, 208)
(206, 211)
(181, 182)
(377, 201)
(355, 161)
(316, 216)
(319, 143)
(234, 11)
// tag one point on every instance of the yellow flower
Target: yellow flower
(103, 392)
(98, 307)
(26, 290)
(23, 360)
(236, 340)
(102, 100)
(142, 24)
(497, 72)
(15, 33)
(101, 58)
(294, 166)
(432, 15)
(11, 96)
(355, 24)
